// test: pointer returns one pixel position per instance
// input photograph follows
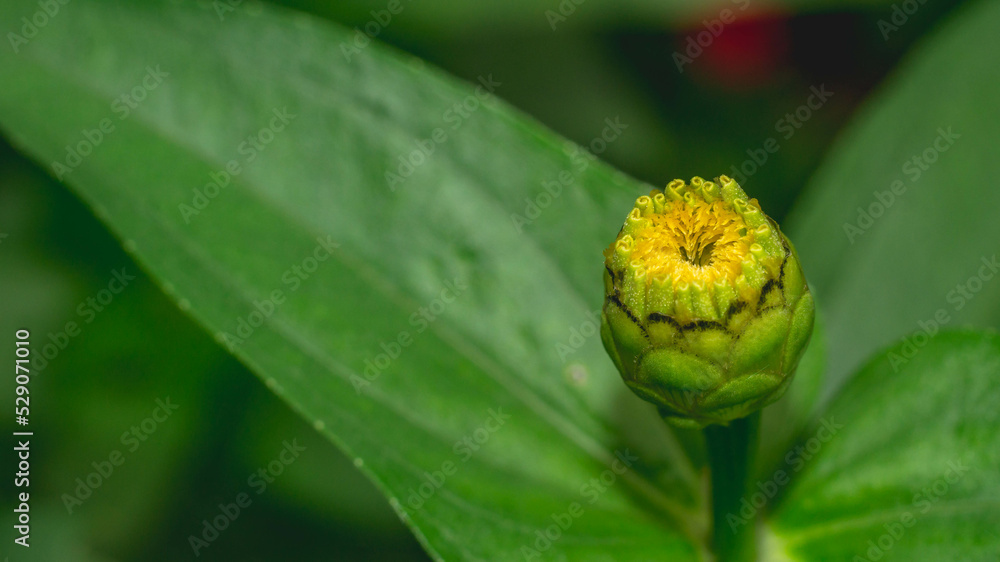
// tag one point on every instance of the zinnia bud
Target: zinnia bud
(706, 310)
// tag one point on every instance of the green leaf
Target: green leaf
(906, 462)
(406, 324)
(906, 269)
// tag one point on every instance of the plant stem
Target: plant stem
(731, 454)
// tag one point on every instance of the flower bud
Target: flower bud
(706, 309)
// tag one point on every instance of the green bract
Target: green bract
(706, 310)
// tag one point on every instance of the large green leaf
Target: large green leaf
(495, 316)
(906, 464)
(936, 236)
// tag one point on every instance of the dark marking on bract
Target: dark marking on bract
(771, 284)
(618, 302)
(611, 273)
(734, 309)
(703, 325)
(657, 317)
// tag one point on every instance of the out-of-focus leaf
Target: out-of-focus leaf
(925, 255)
(905, 464)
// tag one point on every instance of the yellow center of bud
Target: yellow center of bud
(687, 242)
(694, 252)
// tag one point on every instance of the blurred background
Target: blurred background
(684, 109)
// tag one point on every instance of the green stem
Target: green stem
(731, 453)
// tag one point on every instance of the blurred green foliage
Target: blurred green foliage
(138, 349)
(605, 63)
